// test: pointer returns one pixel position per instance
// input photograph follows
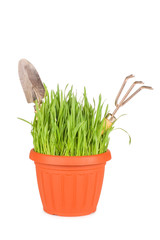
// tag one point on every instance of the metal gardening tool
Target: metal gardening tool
(34, 89)
(110, 118)
(31, 83)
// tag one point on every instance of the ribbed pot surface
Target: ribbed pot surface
(67, 189)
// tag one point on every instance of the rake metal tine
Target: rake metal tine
(125, 96)
(137, 91)
(123, 85)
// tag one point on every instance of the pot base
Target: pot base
(69, 214)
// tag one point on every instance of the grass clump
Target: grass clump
(66, 126)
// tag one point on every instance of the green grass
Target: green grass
(66, 126)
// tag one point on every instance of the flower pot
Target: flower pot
(70, 186)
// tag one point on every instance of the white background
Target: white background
(94, 44)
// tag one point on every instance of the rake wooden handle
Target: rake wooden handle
(107, 124)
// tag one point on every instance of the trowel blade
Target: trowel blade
(31, 83)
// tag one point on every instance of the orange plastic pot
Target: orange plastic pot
(70, 186)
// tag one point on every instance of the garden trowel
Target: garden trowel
(31, 83)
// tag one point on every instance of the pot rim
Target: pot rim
(70, 160)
